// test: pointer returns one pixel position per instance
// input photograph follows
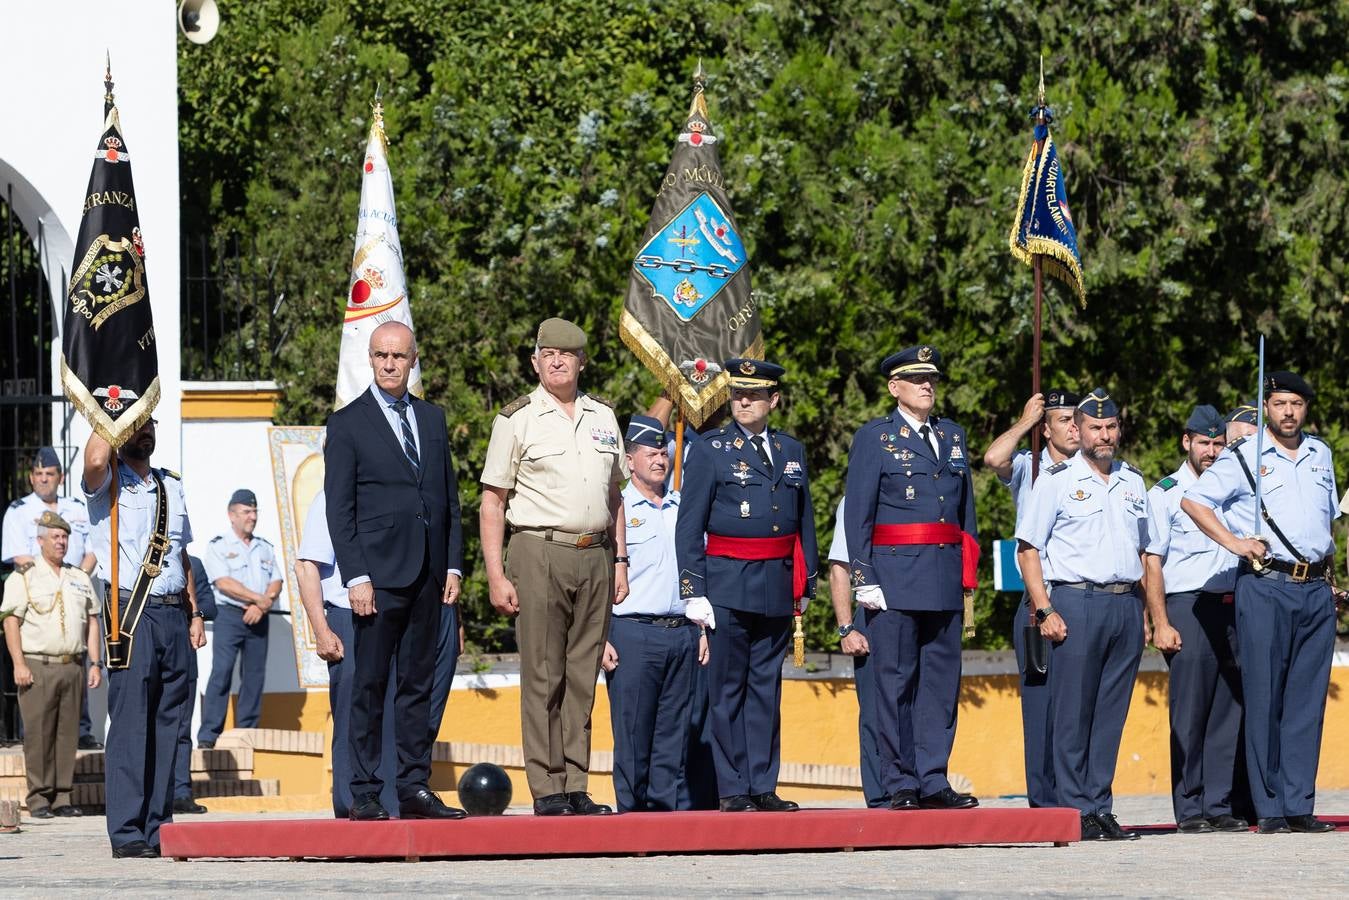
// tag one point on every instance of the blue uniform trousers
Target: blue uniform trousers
(340, 676)
(1037, 722)
(1092, 682)
(447, 660)
(873, 788)
(146, 702)
(182, 761)
(650, 695)
(1208, 772)
(745, 690)
(231, 638)
(915, 663)
(698, 789)
(1286, 632)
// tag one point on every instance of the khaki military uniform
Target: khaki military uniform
(54, 606)
(559, 472)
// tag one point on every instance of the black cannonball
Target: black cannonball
(485, 790)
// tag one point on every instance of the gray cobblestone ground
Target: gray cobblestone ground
(64, 855)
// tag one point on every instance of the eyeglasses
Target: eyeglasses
(921, 378)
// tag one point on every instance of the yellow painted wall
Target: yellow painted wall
(820, 726)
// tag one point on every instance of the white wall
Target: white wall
(53, 67)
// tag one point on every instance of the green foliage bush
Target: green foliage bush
(873, 151)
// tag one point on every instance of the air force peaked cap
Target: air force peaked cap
(1246, 412)
(754, 374)
(921, 360)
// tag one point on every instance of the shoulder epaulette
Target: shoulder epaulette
(16, 504)
(1056, 468)
(1130, 467)
(218, 537)
(76, 500)
(514, 406)
(598, 399)
(258, 537)
(1237, 443)
(21, 568)
(66, 565)
(170, 474)
(1316, 437)
(1167, 483)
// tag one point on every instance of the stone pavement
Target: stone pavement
(66, 855)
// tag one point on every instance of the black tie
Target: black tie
(409, 443)
(926, 433)
(759, 447)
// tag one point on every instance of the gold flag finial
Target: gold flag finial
(107, 82)
(377, 124)
(1042, 79)
(699, 105)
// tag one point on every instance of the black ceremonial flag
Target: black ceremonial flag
(689, 306)
(108, 363)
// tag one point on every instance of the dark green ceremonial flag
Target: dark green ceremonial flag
(689, 306)
(109, 367)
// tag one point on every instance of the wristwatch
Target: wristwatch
(1042, 614)
(845, 630)
(198, 614)
(620, 559)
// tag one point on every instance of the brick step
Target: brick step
(224, 763)
(90, 794)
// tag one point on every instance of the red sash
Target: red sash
(782, 547)
(935, 533)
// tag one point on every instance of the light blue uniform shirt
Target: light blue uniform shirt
(838, 547)
(20, 528)
(1020, 481)
(653, 574)
(136, 501)
(316, 545)
(252, 564)
(1087, 529)
(1299, 493)
(1194, 561)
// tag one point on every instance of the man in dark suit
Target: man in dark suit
(911, 533)
(745, 546)
(393, 515)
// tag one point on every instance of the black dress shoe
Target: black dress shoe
(1272, 825)
(135, 850)
(187, 806)
(947, 798)
(1111, 830)
(553, 805)
(771, 802)
(426, 805)
(89, 742)
(367, 808)
(582, 805)
(905, 800)
(1227, 822)
(1194, 825)
(1091, 829)
(68, 811)
(43, 813)
(738, 803)
(1309, 825)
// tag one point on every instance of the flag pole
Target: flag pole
(1040, 119)
(678, 476)
(114, 624)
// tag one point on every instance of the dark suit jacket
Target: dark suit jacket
(383, 516)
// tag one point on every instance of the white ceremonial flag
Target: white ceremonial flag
(377, 292)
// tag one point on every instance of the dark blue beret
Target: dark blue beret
(1061, 399)
(1288, 383)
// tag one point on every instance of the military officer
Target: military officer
(243, 572)
(1053, 412)
(1241, 422)
(51, 618)
(653, 649)
(1087, 519)
(554, 471)
(1285, 608)
(747, 556)
(148, 697)
(20, 523)
(1205, 683)
(911, 532)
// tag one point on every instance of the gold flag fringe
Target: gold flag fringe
(114, 431)
(1059, 260)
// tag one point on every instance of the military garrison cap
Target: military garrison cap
(244, 497)
(1205, 420)
(46, 458)
(1288, 383)
(1061, 399)
(921, 360)
(49, 519)
(1098, 405)
(559, 334)
(753, 374)
(645, 431)
(1246, 412)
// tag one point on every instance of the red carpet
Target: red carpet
(625, 835)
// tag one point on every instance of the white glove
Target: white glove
(699, 610)
(871, 596)
(805, 602)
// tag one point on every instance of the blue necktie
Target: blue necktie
(409, 443)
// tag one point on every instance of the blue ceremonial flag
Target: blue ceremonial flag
(1044, 224)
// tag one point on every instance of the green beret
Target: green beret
(559, 334)
(49, 519)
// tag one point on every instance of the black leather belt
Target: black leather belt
(662, 621)
(159, 599)
(1297, 573)
(1113, 587)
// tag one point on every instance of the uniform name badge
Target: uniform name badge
(744, 509)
